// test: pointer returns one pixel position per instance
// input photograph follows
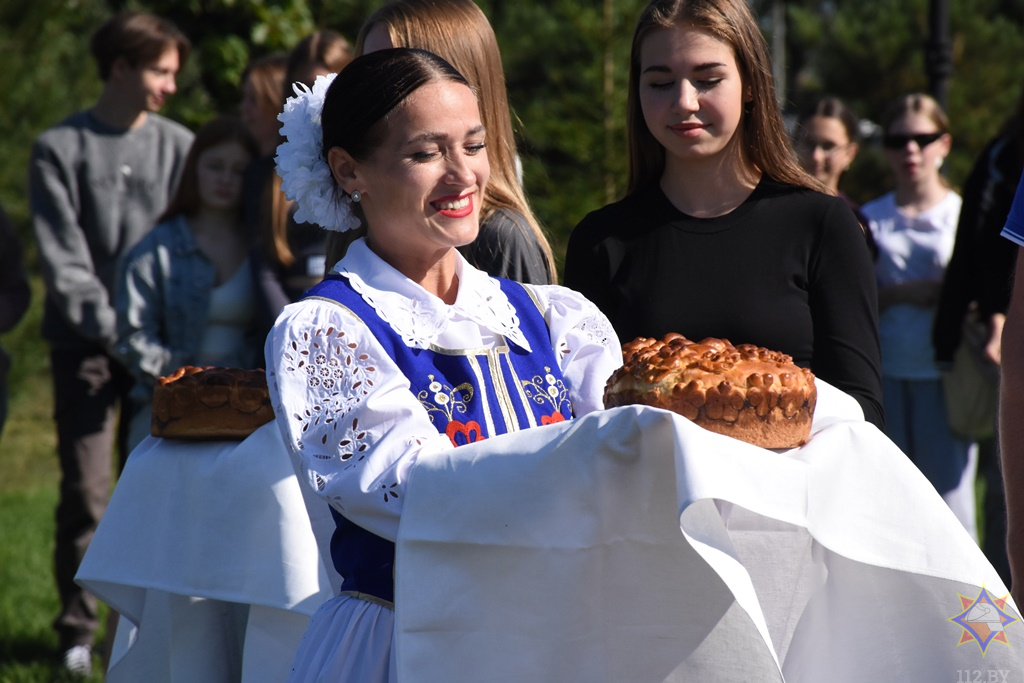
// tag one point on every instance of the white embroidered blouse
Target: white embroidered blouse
(347, 410)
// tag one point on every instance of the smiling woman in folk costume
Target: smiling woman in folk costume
(405, 348)
(721, 233)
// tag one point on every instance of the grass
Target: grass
(29, 479)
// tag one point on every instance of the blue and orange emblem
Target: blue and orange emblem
(984, 619)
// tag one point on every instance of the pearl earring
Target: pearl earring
(357, 196)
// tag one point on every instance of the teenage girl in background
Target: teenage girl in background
(185, 295)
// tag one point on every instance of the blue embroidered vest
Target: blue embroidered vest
(469, 394)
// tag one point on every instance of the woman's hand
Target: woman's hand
(994, 346)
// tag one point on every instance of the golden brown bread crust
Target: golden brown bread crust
(210, 403)
(745, 391)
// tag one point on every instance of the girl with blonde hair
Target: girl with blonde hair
(722, 233)
(915, 229)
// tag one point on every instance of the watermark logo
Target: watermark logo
(984, 619)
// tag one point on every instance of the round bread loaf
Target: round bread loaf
(746, 392)
(210, 403)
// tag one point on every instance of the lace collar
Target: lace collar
(420, 317)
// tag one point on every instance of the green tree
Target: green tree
(567, 65)
(43, 72)
(869, 52)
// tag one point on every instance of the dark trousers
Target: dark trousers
(88, 385)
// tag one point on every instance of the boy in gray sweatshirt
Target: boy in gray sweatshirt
(97, 183)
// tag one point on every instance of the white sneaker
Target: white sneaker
(78, 660)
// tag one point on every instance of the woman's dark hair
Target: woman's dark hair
(215, 132)
(370, 88)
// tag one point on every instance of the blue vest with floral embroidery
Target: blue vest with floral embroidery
(469, 394)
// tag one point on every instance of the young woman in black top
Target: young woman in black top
(721, 233)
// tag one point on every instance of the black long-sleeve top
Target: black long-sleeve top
(788, 269)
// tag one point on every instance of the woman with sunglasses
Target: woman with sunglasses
(915, 227)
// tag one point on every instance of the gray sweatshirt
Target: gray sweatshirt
(94, 192)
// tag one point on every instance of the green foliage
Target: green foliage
(567, 68)
(344, 16)
(44, 70)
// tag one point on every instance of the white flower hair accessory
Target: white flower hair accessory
(305, 176)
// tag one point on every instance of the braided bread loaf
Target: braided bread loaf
(746, 392)
(210, 403)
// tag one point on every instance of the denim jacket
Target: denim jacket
(162, 301)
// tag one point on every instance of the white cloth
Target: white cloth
(208, 550)
(910, 248)
(348, 639)
(632, 545)
(962, 499)
(348, 414)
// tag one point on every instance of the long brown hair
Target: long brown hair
(215, 132)
(459, 32)
(763, 132)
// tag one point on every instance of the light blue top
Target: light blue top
(163, 304)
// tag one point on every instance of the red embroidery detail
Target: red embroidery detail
(469, 430)
(552, 418)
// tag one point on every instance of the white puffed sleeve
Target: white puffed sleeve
(345, 408)
(584, 342)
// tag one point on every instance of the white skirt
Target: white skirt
(349, 640)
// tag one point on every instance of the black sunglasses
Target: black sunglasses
(900, 141)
